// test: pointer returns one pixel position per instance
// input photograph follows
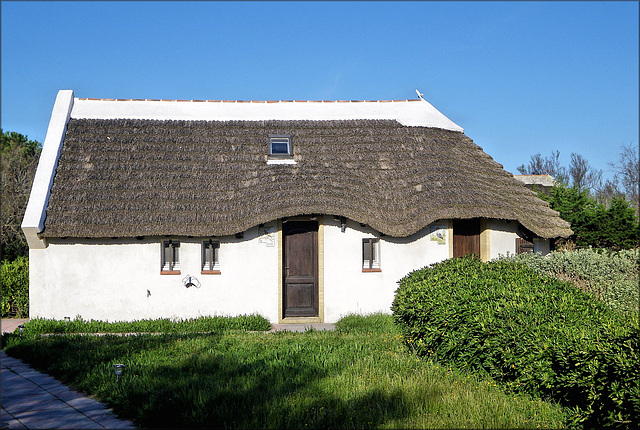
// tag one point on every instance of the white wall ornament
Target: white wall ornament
(191, 281)
(438, 234)
(268, 237)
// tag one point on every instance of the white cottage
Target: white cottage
(301, 211)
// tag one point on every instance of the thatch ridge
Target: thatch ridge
(129, 177)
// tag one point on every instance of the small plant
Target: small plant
(372, 323)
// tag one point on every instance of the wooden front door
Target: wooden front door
(466, 237)
(300, 269)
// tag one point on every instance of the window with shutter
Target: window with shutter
(170, 257)
(210, 261)
(371, 255)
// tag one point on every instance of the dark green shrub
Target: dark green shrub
(615, 227)
(533, 333)
(15, 288)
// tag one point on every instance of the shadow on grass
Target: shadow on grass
(200, 381)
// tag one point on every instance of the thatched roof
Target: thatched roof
(125, 178)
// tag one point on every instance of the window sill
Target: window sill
(169, 272)
(281, 161)
(371, 270)
(211, 272)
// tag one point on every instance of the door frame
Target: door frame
(281, 286)
(485, 239)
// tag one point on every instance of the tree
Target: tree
(583, 175)
(618, 226)
(608, 191)
(580, 174)
(627, 171)
(539, 165)
(19, 161)
(593, 224)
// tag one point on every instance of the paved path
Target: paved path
(11, 324)
(33, 400)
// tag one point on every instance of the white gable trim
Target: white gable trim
(33, 221)
(406, 112)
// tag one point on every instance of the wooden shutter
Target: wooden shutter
(523, 245)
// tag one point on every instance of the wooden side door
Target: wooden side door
(466, 237)
(300, 269)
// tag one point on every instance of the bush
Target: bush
(217, 324)
(612, 276)
(533, 333)
(15, 288)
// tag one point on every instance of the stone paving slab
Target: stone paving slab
(56, 419)
(33, 400)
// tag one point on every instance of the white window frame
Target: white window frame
(280, 158)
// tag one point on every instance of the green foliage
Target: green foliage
(15, 288)
(316, 379)
(534, 334)
(612, 276)
(19, 161)
(594, 224)
(373, 323)
(217, 324)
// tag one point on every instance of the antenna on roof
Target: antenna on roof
(420, 94)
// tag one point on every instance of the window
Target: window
(523, 246)
(210, 262)
(280, 150)
(280, 145)
(170, 257)
(371, 255)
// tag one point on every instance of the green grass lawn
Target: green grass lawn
(360, 376)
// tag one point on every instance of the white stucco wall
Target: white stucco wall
(120, 279)
(350, 290)
(503, 239)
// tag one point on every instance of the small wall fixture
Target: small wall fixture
(67, 320)
(21, 327)
(191, 281)
(343, 224)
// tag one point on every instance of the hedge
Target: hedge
(15, 288)
(534, 334)
(214, 324)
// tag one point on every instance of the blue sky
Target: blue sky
(519, 77)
